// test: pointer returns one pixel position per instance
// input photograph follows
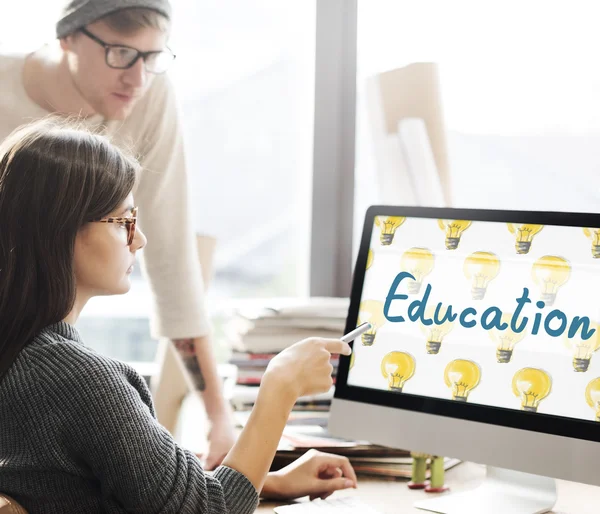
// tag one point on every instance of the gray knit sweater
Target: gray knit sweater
(78, 434)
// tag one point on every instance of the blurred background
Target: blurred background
(508, 91)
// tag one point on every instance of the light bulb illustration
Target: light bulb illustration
(461, 377)
(419, 263)
(592, 396)
(581, 349)
(388, 227)
(531, 385)
(550, 273)
(397, 368)
(454, 230)
(435, 333)
(524, 235)
(481, 268)
(352, 359)
(371, 311)
(369, 259)
(506, 339)
(594, 235)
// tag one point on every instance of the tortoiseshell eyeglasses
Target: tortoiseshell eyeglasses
(129, 222)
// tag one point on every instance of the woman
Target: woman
(77, 430)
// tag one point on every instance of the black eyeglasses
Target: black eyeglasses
(124, 57)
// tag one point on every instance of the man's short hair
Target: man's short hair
(127, 21)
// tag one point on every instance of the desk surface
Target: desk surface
(393, 497)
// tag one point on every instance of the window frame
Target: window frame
(331, 255)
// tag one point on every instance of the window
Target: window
(519, 95)
(245, 81)
(245, 77)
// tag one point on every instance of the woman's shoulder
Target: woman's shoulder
(65, 370)
(69, 359)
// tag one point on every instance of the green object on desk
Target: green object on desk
(436, 484)
(419, 469)
(437, 472)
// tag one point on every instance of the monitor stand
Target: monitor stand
(502, 492)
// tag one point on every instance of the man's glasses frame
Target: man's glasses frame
(144, 55)
(130, 222)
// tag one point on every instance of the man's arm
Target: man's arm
(200, 363)
(187, 351)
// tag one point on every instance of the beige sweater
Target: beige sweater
(153, 132)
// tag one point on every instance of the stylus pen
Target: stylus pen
(361, 329)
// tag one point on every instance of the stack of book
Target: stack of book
(269, 326)
(260, 330)
(305, 431)
(243, 399)
(251, 367)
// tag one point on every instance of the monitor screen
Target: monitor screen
(479, 312)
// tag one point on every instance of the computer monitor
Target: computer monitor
(485, 328)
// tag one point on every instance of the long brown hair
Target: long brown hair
(54, 178)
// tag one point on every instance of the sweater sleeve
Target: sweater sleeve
(107, 419)
(170, 258)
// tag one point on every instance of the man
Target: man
(108, 67)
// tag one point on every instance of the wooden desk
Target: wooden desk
(393, 497)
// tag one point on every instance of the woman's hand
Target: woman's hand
(315, 474)
(305, 367)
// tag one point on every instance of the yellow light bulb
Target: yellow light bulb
(592, 396)
(419, 263)
(594, 235)
(371, 311)
(550, 273)
(369, 259)
(461, 377)
(435, 333)
(388, 227)
(454, 230)
(352, 359)
(481, 268)
(524, 235)
(531, 385)
(397, 368)
(506, 339)
(583, 349)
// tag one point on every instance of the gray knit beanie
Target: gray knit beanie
(79, 13)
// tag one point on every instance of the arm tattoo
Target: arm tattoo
(187, 350)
